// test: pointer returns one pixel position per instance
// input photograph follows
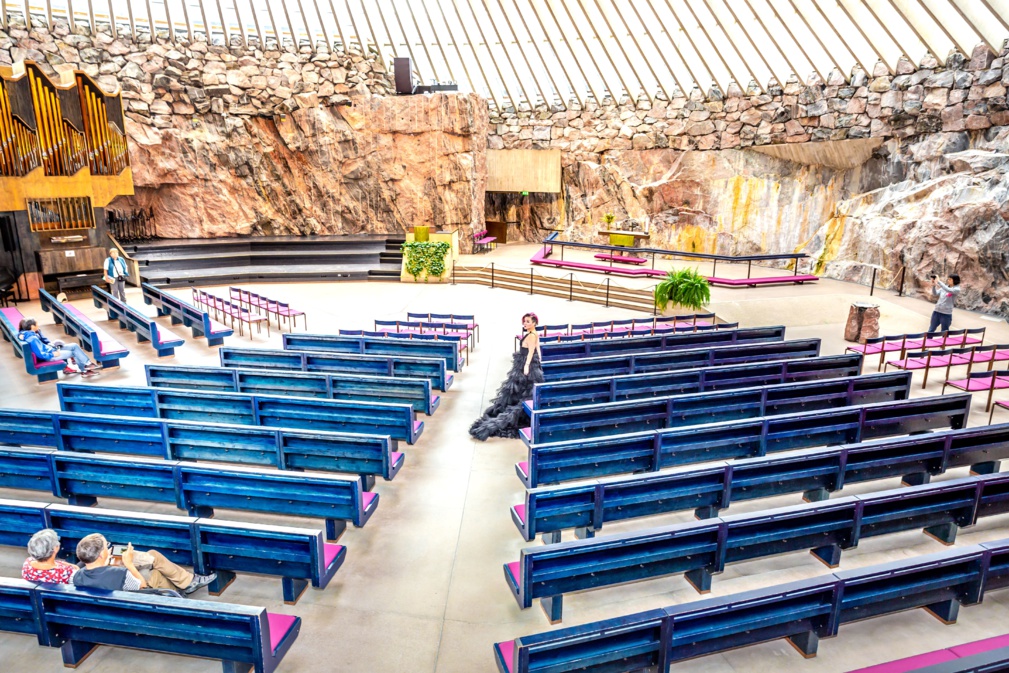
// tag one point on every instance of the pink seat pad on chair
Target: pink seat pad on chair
(910, 363)
(971, 385)
(280, 625)
(979, 646)
(910, 663)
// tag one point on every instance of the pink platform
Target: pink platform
(280, 626)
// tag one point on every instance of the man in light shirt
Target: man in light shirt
(115, 274)
(942, 316)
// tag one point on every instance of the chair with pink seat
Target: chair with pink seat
(980, 382)
(921, 361)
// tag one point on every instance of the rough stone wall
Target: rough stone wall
(961, 94)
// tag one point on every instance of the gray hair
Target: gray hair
(90, 548)
(43, 544)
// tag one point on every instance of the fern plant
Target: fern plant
(426, 257)
(685, 287)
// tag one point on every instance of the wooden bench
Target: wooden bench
(702, 549)
(560, 394)
(482, 242)
(714, 406)
(297, 555)
(802, 612)
(83, 479)
(184, 313)
(49, 370)
(103, 348)
(659, 449)
(77, 621)
(622, 259)
(163, 341)
(384, 345)
(390, 389)
(815, 473)
(665, 361)
(767, 280)
(432, 369)
(370, 418)
(366, 455)
(665, 342)
(228, 309)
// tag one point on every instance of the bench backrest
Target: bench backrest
(366, 345)
(664, 411)
(79, 328)
(192, 317)
(637, 344)
(690, 358)
(432, 369)
(632, 386)
(416, 392)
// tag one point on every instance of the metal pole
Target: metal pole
(607, 293)
(749, 265)
(872, 287)
(530, 281)
(453, 274)
(492, 275)
(714, 265)
(655, 304)
(571, 287)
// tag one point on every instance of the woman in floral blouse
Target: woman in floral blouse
(42, 564)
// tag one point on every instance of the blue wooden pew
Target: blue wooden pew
(690, 358)
(82, 479)
(653, 384)
(812, 472)
(184, 313)
(10, 320)
(367, 455)
(703, 548)
(802, 612)
(445, 349)
(298, 556)
(163, 341)
(95, 340)
(432, 369)
(668, 411)
(654, 450)
(390, 389)
(663, 342)
(374, 418)
(243, 638)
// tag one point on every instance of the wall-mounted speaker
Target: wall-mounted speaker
(403, 69)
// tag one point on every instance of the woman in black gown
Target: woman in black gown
(505, 416)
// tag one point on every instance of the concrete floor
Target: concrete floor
(422, 588)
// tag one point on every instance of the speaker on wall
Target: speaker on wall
(404, 75)
(7, 233)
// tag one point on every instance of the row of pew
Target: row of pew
(776, 417)
(204, 438)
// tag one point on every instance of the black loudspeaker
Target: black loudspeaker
(404, 76)
(7, 234)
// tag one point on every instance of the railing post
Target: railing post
(453, 274)
(492, 275)
(655, 304)
(530, 281)
(749, 265)
(607, 293)
(571, 287)
(872, 286)
(714, 265)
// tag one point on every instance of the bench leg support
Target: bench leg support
(236, 667)
(293, 588)
(45, 377)
(201, 511)
(946, 611)
(708, 512)
(945, 533)
(700, 579)
(334, 529)
(990, 467)
(830, 555)
(223, 581)
(82, 500)
(75, 652)
(916, 479)
(551, 538)
(816, 495)
(368, 482)
(554, 607)
(806, 643)
(584, 533)
(215, 342)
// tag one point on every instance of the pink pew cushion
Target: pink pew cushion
(280, 626)
(979, 646)
(107, 344)
(527, 433)
(520, 510)
(910, 663)
(395, 458)
(513, 570)
(507, 652)
(417, 425)
(367, 497)
(524, 467)
(330, 552)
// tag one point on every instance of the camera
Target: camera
(933, 276)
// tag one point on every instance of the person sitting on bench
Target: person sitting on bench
(30, 335)
(139, 570)
(42, 564)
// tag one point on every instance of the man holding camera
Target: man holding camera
(942, 316)
(138, 570)
(115, 274)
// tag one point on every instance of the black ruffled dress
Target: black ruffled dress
(505, 415)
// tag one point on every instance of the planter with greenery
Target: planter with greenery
(686, 288)
(425, 259)
(421, 233)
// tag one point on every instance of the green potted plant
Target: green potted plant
(686, 288)
(609, 218)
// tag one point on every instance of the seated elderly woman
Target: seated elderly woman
(139, 570)
(42, 564)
